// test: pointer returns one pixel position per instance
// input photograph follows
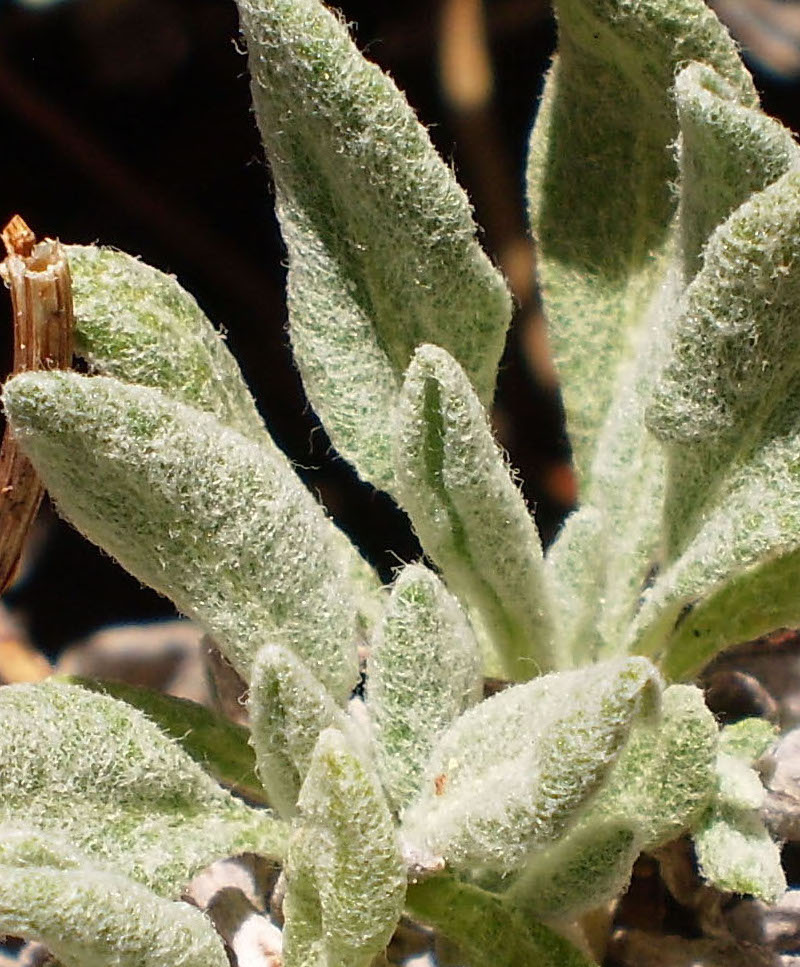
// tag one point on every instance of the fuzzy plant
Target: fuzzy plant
(666, 209)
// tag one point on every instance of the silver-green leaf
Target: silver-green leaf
(725, 409)
(196, 511)
(487, 928)
(92, 769)
(345, 875)
(510, 776)
(91, 918)
(289, 709)
(666, 777)
(423, 672)
(728, 150)
(609, 140)
(470, 517)
(382, 248)
(590, 866)
(139, 325)
(736, 853)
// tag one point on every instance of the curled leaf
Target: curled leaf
(609, 139)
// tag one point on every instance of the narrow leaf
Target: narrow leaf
(85, 766)
(590, 866)
(139, 325)
(289, 709)
(723, 395)
(575, 561)
(728, 151)
(345, 876)
(470, 516)
(196, 511)
(666, 776)
(736, 853)
(487, 929)
(627, 483)
(91, 918)
(423, 672)
(610, 140)
(381, 241)
(726, 410)
(511, 774)
(217, 744)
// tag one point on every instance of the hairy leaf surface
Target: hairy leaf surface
(345, 876)
(196, 511)
(381, 241)
(289, 709)
(470, 517)
(511, 774)
(92, 769)
(423, 672)
(609, 139)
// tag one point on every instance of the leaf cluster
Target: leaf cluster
(666, 208)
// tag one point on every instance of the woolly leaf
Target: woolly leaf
(381, 241)
(92, 918)
(98, 772)
(345, 877)
(575, 561)
(137, 324)
(470, 516)
(588, 867)
(194, 510)
(747, 739)
(726, 410)
(627, 481)
(217, 744)
(729, 149)
(739, 786)
(660, 787)
(22, 845)
(736, 853)
(87, 915)
(511, 774)
(487, 929)
(734, 358)
(609, 139)
(666, 777)
(288, 710)
(423, 672)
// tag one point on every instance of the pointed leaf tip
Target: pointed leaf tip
(382, 246)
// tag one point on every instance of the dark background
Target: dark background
(128, 122)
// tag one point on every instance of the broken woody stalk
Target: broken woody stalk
(497, 822)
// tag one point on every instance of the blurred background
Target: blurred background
(128, 122)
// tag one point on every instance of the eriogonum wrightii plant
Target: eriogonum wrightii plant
(666, 208)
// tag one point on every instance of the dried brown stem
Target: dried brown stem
(41, 297)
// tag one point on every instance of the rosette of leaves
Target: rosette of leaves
(495, 821)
